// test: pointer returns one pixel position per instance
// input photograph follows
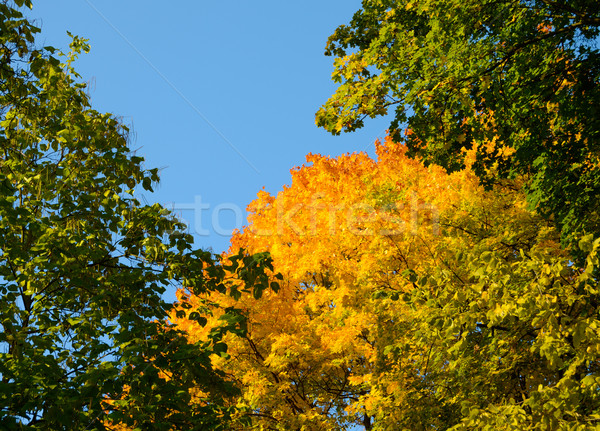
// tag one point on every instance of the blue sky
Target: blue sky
(220, 95)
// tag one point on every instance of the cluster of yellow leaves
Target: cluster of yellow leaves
(350, 236)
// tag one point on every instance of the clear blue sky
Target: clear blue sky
(221, 95)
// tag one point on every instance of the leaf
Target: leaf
(87, 338)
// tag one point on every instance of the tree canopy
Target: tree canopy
(519, 75)
(429, 289)
(411, 299)
(449, 283)
(85, 341)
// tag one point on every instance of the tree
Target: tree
(411, 299)
(521, 74)
(85, 342)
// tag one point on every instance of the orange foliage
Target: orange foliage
(350, 236)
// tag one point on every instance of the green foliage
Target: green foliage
(84, 340)
(459, 74)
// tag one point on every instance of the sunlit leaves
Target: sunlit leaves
(390, 271)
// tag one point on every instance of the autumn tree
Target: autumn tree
(411, 298)
(446, 69)
(85, 342)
